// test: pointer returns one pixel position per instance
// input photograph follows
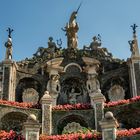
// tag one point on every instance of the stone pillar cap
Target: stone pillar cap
(99, 96)
(109, 115)
(46, 97)
(32, 117)
(109, 121)
(31, 121)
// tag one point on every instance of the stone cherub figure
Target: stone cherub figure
(8, 45)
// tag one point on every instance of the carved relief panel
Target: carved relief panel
(30, 95)
(116, 92)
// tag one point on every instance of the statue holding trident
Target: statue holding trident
(71, 30)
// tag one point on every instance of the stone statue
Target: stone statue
(72, 97)
(9, 49)
(52, 49)
(95, 44)
(51, 45)
(132, 46)
(8, 44)
(53, 85)
(92, 84)
(133, 43)
(71, 30)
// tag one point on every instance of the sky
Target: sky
(34, 21)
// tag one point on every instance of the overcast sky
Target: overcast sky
(34, 21)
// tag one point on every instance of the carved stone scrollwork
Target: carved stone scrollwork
(30, 95)
(116, 93)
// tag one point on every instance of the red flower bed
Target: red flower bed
(72, 107)
(121, 102)
(75, 136)
(128, 133)
(10, 135)
(17, 104)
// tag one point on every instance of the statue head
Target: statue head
(72, 90)
(94, 38)
(50, 38)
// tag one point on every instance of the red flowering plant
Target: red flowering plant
(78, 106)
(23, 104)
(121, 102)
(12, 135)
(74, 136)
(128, 133)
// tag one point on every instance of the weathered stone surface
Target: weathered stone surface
(62, 118)
(13, 117)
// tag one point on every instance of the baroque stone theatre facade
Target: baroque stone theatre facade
(70, 89)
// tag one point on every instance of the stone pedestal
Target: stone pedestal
(46, 102)
(9, 80)
(98, 104)
(109, 125)
(134, 74)
(31, 128)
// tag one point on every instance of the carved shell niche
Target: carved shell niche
(116, 92)
(30, 95)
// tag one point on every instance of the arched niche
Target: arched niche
(109, 87)
(73, 68)
(25, 84)
(69, 119)
(13, 121)
(73, 90)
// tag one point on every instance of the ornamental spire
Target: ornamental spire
(8, 44)
(134, 43)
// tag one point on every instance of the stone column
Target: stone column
(46, 102)
(98, 100)
(134, 74)
(31, 128)
(109, 125)
(9, 80)
(134, 65)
